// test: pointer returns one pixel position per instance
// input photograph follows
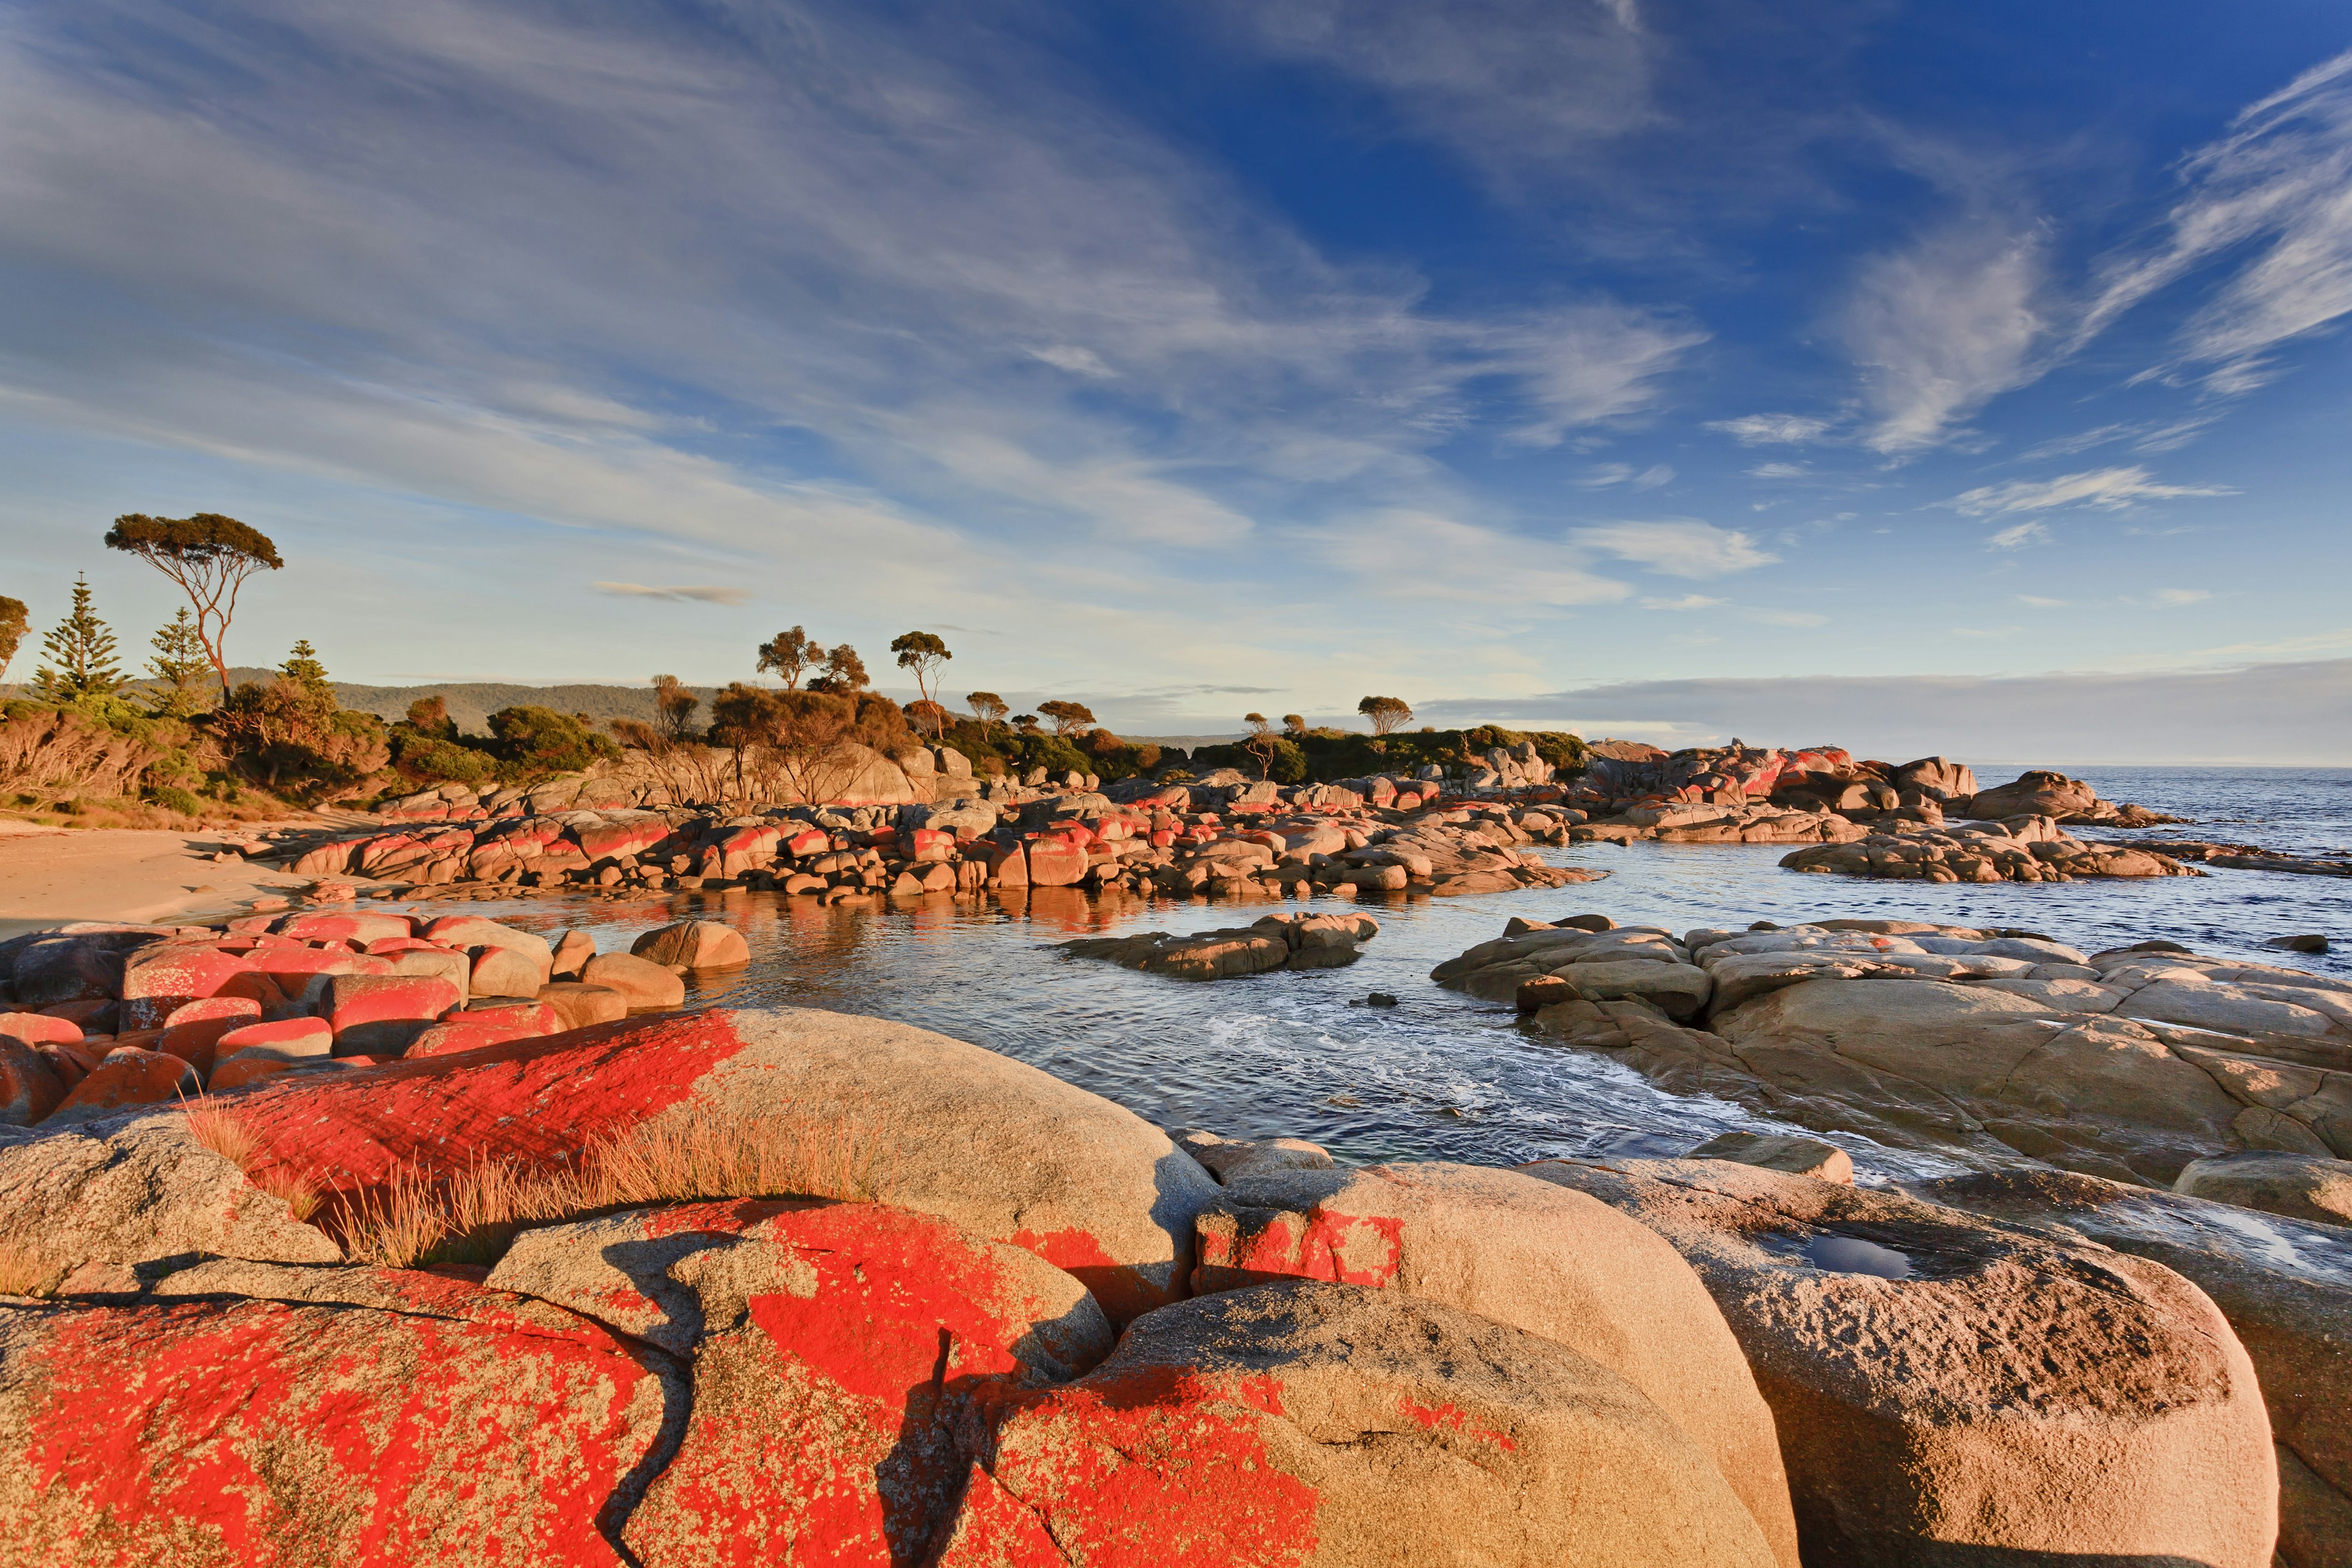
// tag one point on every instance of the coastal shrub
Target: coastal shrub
(290, 736)
(472, 1214)
(537, 742)
(171, 797)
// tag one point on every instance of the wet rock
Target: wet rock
(573, 950)
(642, 982)
(1787, 1153)
(696, 945)
(1944, 1386)
(2300, 1186)
(1231, 1160)
(580, 1005)
(1277, 941)
(30, 1088)
(2311, 941)
(1312, 1422)
(1553, 1263)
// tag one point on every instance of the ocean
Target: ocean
(1443, 1075)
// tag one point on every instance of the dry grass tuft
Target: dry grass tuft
(21, 1272)
(471, 1215)
(213, 1125)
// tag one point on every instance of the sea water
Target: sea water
(1442, 1075)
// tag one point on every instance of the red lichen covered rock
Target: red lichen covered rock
(161, 978)
(833, 1348)
(1326, 1425)
(194, 1031)
(580, 1005)
(438, 1423)
(379, 1015)
(30, 1087)
(39, 1029)
(1530, 1254)
(1001, 1149)
(359, 928)
(130, 1077)
(1055, 864)
(490, 1027)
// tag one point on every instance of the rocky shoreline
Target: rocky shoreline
(855, 1290)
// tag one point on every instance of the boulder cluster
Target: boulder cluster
(96, 1018)
(1225, 837)
(1981, 1045)
(2021, 850)
(1275, 941)
(967, 1314)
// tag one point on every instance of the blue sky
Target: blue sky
(1192, 359)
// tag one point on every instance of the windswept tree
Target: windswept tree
(1387, 714)
(929, 715)
(921, 654)
(845, 673)
(789, 656)
(1068, 717)
(13, 619)
(1026, 723)
(179, 669)
(1294, 725)
(989, 708)
(1260, 741)
(674, 706)
(209, 556)
(80, 653)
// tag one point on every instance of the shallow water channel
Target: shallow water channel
(1439, 1076)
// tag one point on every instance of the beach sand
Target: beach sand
(49, 876)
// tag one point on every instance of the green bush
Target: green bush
(175, 799)
(537, 742)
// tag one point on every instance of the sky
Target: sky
(1673, 372)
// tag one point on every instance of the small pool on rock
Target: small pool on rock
(1851, 1254)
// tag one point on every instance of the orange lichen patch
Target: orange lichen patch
(1346, 1250)
(1154, 1466)
(824, 1425)
(993, 1528)
(1125, 1291)
(1431, 1417)
(272, 1432)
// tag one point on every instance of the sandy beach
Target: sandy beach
(50, 876)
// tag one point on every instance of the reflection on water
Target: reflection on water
(1439, 1076)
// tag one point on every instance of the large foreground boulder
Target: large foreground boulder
(834, 1349)
(902, 1115)
(407, 1419)
(1326, 1425)
(1530, 1254)
(1947, 1389)
(2286, 1284)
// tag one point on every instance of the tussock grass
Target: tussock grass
(213, 1125)
(23, 1272)
(471, 1215)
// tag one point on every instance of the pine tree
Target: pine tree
(82, 651)
(181, 663)
(303, 669)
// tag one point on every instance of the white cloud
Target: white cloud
(2144, 436)
(1583, 365)
(1077, 361)
(2106, 490)
(1943, 325)
(1683, 547)
(1607, 474)
(1686, 602)
(2017, 536)
(2037, 601)
(1779, 471)
(1650, 478)
(1772, 429)
(2174, 598)
(1787, 617)
(698, 595)
(1409, 554)
(2278, 190)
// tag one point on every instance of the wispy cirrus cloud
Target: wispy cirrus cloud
(1941, 326)
(1676, 547)
(2279, 186)
(700, 594)
(2104, 490)
(1769, 430)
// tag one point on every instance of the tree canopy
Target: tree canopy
(81, 652)
(789, 656)
(845, 673)
(921, 654)
(13, 617)
(988, 708)
(1068, 717)
(179, 667)
(209, 556)
(1387, 714)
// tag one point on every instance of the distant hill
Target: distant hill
(471, 703)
